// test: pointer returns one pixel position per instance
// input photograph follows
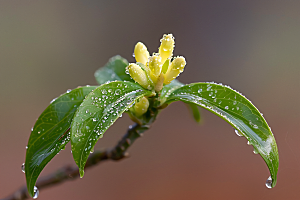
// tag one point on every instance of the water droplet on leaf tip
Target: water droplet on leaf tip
(35, 192)
(269, 182)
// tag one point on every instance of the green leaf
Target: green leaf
(50, 132)
(239, 112)
(168, 89)
(97, 113)
(114, 70)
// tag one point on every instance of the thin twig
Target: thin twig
(71, 172)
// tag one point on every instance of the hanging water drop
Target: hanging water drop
(23, 167)
(269, 182)
(92, 150)
(35, 192)
(238, 133)
(255, 151)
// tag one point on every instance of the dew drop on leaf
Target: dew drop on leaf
(104, 91)
(117, 92)
(255, 152)
(92, 150)
(35, 192)
(23, 167)
(238, 133)
(269, 182)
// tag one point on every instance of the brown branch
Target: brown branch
(71, 172)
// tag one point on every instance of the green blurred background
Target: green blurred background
(47, 47)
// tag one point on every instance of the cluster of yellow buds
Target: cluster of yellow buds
(152, 72)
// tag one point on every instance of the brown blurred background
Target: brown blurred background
(47, 47)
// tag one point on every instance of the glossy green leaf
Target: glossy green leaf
(114, 70)
(50, 132)
(97, 113)
(168, 89)
(239, 112)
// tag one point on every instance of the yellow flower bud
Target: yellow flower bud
(166, 47)
(141, 107)
(175, 68)
(155, 66)
(141, 53)
(138, 75)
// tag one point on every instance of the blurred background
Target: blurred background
(47, 47)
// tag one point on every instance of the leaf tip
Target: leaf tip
(81, 172)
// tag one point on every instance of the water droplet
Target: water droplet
(200, 90)
(26, 147)
(87, 111)
(117, 92)
(69, 90)
(226, 107)
(238, 133)
(23, 167)
(92, 150)
(35, 192)
(104, 91)
(269, 182)
(255, 151)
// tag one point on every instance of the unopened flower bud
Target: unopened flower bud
(138, 75)
(175, 68)
(155, 66)
(166, 47)
(141, 53)
(141, 107)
